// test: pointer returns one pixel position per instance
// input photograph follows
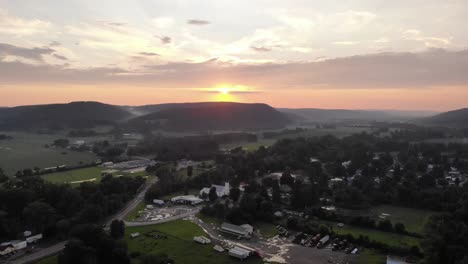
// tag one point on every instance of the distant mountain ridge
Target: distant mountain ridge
(330, 115)
(457, 117)
(56, 116)
(214, 116)
(201, 116)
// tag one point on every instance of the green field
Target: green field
(312, 132)
(267, 230)
(48, 260)
(135, 212)
(413, 219)
(75, 177)
(179, 244)
(367, 256)
(26, 150)
(391, 239)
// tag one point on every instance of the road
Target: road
(55, 249)
(132, 204)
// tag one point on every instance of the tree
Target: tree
(234, 194)
(3, 177)
(117, 229)
(287, 178)
(385, 225)
(189, 171)
(77, 252)
(400, 228)
(39, 216)
(213, 195)
(61, 143)
(276, 193)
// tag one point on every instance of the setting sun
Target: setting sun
(224, 90)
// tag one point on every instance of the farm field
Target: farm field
(178, 245)
(368, 256)
(48, 260)
(388, 238)
(312, 132)
(413, 219)
(26, 150)
(75, 177)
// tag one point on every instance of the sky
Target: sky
(353, 54)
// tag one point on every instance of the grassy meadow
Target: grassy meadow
(75, 177)
(178, 245)
(26, 150)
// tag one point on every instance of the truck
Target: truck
(202, 240)
(34, 239)
(323, 241)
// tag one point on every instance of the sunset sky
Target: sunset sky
(355, 54)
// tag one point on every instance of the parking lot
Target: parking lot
(164, 212)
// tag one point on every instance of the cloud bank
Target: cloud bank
(432, 68)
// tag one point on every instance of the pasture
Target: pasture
(391, 239)
(178, 244)
(413, 219)
(311, 132)
(75, 177)
(26, 150)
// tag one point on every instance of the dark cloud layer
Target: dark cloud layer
(261, 48)
(165, 39)
(148, 54)
(383, 70)
(198, 22)
(35, 54)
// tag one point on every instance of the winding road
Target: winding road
(56, 248)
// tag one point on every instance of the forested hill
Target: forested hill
(215, 116)
(57, 116)
(452, 118)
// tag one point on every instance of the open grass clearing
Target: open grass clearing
(311, 132)
(413, 219)
(48, 260)
(90, 174)
(26, 150)
(179, 244)
(267, 230)
(367, 256)
(135, 213)
(391, 239)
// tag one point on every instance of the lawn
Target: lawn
(179, 244)
(267, 230)
(135, 212)
(48, 260)
(413, 219)
(368, 256)
(391, 239)
(312, 132)
(26, 150)
(75, 177)
(210, 219)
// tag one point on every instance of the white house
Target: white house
(221, 190)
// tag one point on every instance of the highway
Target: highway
(55, 249)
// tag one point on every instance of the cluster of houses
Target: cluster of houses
(11, 247)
